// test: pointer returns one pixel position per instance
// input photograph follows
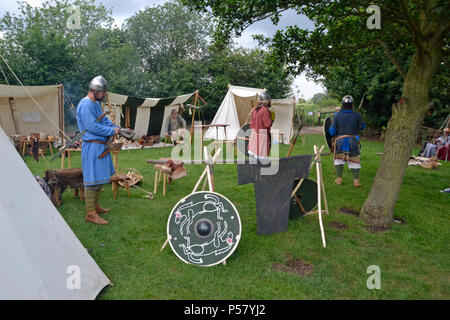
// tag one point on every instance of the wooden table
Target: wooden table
(207, 126)
(24, 142)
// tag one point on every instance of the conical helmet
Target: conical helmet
(98, 84)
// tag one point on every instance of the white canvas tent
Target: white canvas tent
(235, 110)
(19, 114)
(37, 248)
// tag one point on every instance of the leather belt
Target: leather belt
(95, 141)
(345, 136)
(104, 153)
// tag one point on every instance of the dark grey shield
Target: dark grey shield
(326, 133)
(307, 194)
(204, 228)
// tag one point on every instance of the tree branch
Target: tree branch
(414, 26)
(392, 58)
(262, 17)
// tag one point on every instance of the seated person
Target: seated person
(443, 153)
(430, 149)
(176, 126)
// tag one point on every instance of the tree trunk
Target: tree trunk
(402, 130)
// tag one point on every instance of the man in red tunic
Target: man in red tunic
(260, 123)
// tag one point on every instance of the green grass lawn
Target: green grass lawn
(413, 257)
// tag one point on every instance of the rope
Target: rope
(34, 100)
(4, 76)
(72, 108)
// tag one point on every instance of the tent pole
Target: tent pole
(319, 200)
(193, 115)
(61, 111)
(11, 99)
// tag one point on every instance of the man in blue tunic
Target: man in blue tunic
(345, 126)
(97, 169)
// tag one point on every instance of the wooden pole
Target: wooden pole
(199, 181)
(63, 154)
(193, 115)
(156, 181)
(61, 111)
(319, 200)
(204, 183)
(116, 160)
(208, 168)
(323, 189)
(205, 172)
(11, 99)
(165, 243)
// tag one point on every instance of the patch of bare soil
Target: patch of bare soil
(294, 265)
(378, 229)
(350, 210)
(312, 130)
(338, 225)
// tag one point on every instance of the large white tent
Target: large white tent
(40, 256)
(235, 111)
(20, 115)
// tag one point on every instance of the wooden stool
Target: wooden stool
(115, 179)
(161, 169)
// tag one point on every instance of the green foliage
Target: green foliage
(341, 51)
(378, 79)
(318, 98)
(167, 33)
(172, 43)
(161, 51)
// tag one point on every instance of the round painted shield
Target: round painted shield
(326, 133)
(307, 195)
(242, 139)
(204, 228)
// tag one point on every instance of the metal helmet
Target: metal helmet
(98, 84)
(264, 97)
(347, 101)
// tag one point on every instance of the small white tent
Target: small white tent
(40, 256)
(235, 111)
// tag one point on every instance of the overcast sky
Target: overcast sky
(122, 10)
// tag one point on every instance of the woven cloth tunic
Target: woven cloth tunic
(95, 171)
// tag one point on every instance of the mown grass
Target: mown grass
(413, 257)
